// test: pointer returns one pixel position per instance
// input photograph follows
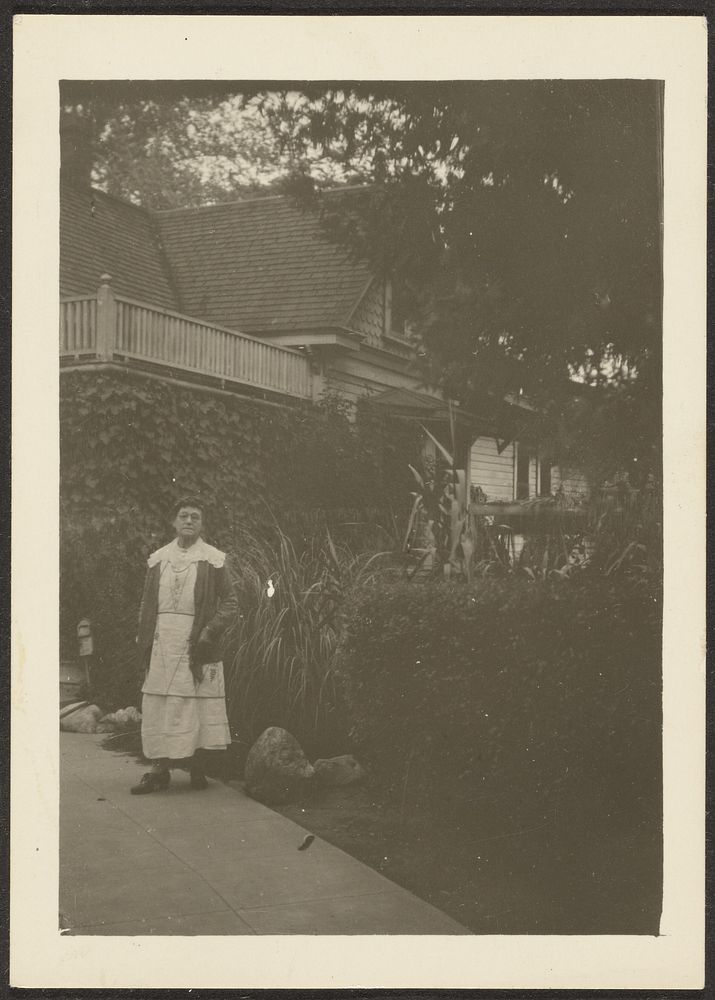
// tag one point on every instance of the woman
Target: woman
(188, 601)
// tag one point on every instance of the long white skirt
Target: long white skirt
(180, 716)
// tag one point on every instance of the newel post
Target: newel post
(106, 319)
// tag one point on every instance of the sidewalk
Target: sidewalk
(211, 862)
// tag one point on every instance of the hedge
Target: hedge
(507, 693)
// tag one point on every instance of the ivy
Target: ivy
(131, 446)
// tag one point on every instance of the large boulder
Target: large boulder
(276, 769)
(343, 770)
(83, 720)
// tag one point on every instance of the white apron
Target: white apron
(179, 715)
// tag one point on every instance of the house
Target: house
(251, 297)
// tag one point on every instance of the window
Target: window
(523, 464)
(395, 314)
(398, 316)
(545, 477)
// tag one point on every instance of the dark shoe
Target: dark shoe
(198, 779)
(152, 781)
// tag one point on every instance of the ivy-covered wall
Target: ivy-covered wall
(131, 445)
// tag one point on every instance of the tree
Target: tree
(520, 220)
(541, 199)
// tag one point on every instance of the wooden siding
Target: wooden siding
(369, 317)
(356, 377)
(493, 472)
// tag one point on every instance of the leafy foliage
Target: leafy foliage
(131, 446)
(279, 654)
(532, 207)
(520, 220)
(506, 695)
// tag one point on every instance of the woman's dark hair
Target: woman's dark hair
(187, 502)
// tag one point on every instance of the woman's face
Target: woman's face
(188, 523)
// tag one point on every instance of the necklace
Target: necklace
(178, 582)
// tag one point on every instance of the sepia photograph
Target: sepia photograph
(359, 443)
(361, 507)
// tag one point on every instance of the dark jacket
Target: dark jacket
(215, 605)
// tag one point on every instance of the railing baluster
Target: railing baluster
(142, 331)
(136, 332)
(120, 327)
(145, 333)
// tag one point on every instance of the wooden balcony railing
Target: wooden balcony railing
(109, 327)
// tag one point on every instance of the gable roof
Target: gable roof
(260, 265)
(98, 234)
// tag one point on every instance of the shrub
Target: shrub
(505, 692)
(279, 653)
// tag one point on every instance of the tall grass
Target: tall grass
(626, 527)
(279, 652)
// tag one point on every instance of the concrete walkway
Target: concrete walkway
(211, 862)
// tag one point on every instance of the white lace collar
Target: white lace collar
(200, 551)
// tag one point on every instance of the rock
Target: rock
(84, 720)
(120, 721)
(342, 770)
(276, 769)
(72, 707)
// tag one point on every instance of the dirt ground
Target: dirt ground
(502, 881)
(602, 877)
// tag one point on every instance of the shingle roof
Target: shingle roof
(98, 234)
(260, 265)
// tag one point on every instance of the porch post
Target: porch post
(106, 319)
(319, 382)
